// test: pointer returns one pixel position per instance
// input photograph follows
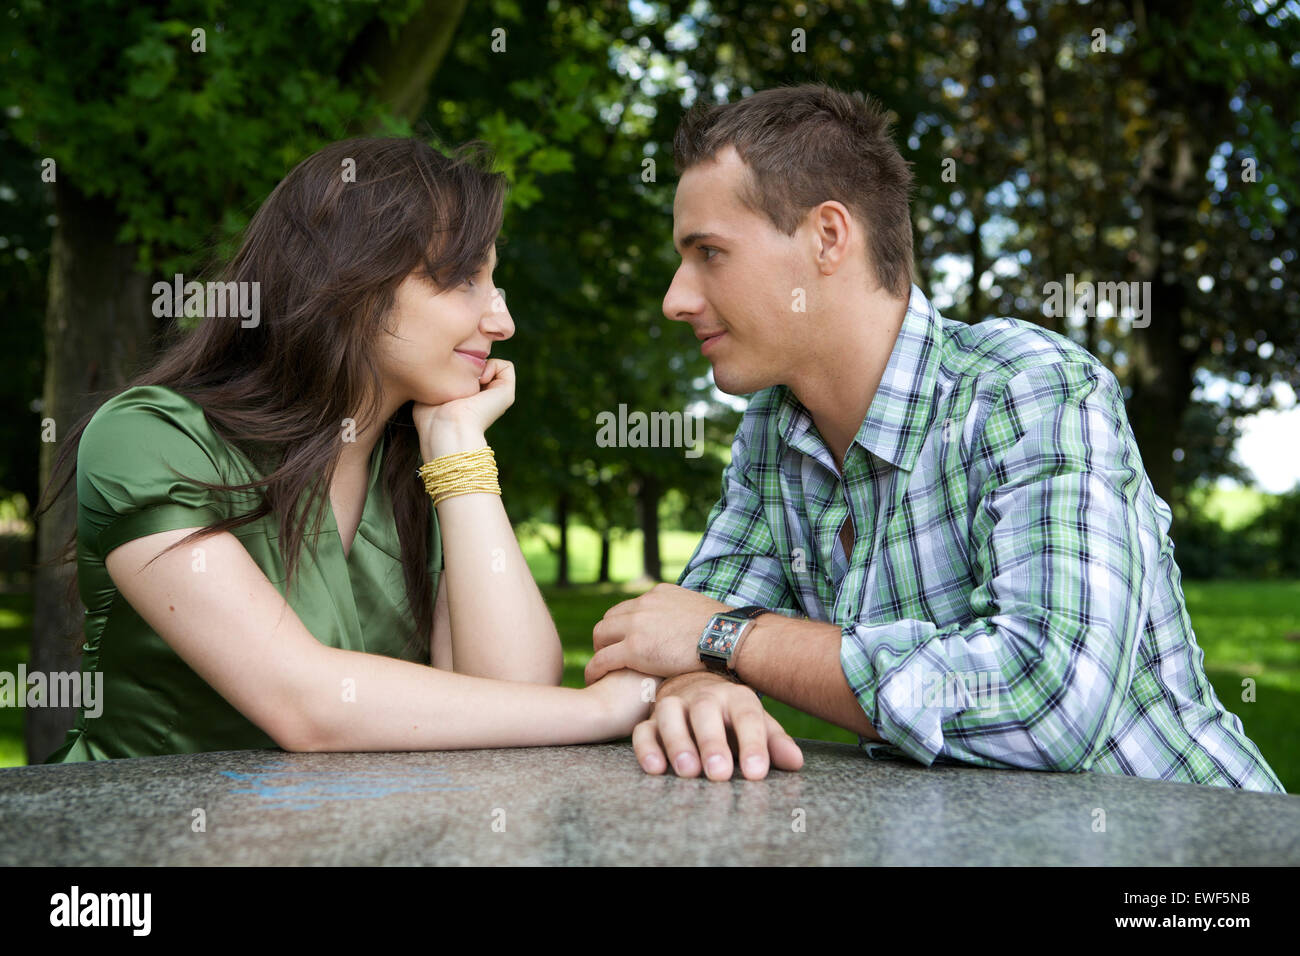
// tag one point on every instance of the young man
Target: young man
(942, 535)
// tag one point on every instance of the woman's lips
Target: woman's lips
(479, 363)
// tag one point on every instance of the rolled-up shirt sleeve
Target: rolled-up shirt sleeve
(1063, 560)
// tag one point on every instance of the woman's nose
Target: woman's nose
(497, 320)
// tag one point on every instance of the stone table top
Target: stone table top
(592, 805)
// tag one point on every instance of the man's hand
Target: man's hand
(657, 633)
(690, 720)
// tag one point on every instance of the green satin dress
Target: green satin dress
(152, 702)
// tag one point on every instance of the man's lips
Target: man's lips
(708, 338)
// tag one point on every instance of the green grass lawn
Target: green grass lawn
(1231, 507)
(675, 549)
(15, 636)
(1251, 629)
(1247, 630)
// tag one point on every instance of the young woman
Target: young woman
(263, 559)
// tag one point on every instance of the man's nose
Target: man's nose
(681, 301)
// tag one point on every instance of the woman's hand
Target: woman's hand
(459, 425)
(627, 697)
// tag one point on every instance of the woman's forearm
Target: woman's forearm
(356, 701)
(500, 626)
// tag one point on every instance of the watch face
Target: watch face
(720, 637)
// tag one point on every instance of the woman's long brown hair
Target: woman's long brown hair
(329, 247)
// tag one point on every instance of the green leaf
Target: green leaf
(551, 159)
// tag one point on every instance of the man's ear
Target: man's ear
(830, 228)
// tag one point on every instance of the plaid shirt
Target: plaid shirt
(1012, 598)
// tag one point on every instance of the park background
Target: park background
(1152, 140)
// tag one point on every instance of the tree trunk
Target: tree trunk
(98, 331)
(562, 519)
(649, 502)
(1162, 367)
(1043, 127)
(603, 578)
(975, 305)
(404, 65)
(1161, 380)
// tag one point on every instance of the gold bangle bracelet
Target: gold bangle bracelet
(461, 473)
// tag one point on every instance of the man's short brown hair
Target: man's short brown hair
(808, 144)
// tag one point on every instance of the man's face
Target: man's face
(738, 278)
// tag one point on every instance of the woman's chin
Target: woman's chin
(449, 393)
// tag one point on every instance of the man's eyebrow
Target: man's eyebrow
(693, 238)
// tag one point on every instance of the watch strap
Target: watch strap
(716, 666)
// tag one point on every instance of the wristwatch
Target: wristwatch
(720, 641)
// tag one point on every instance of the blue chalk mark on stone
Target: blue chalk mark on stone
(283, 787)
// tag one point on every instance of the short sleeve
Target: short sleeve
(126, 486)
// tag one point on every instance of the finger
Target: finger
(605, 660)
(711, 737)
(749, 723)
(785, 753)
(679, 747)
(605, 633)
(498, 369)
(645, 743)
(622, 607)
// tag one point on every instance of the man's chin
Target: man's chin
(725, 387)
(730, 383)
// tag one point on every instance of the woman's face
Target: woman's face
(439, 339)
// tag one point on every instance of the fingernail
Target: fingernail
(680, 762)
(652, 762)
(754, 765)
(716, 763)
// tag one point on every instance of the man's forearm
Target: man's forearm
(798, 663)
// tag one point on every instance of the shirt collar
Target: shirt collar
(899, 417)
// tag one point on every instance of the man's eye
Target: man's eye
(707, 249)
